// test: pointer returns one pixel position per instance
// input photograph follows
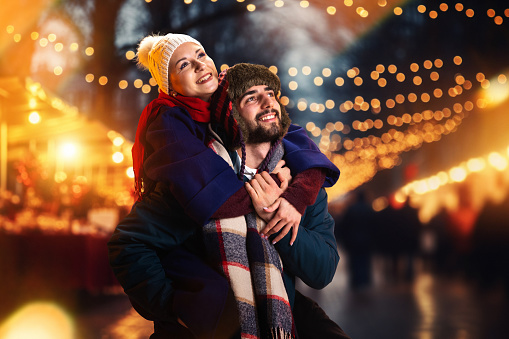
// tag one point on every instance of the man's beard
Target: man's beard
(259, 134)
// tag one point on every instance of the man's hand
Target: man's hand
(283, 173)
(264, 191)
(286, 218)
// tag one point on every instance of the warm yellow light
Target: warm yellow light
(129, 55)
(497, 161)
(458, 174)
(494, 91)
(398, 10)
(58, 70)
(60, 177)
(379, 204)
(89, 77)
(10, 29)
(304, 4)
(310, 126)
(273, 69)
(118, 141)
(74, 47)
(292, 71)
(38, 320)
(89, 51)
(476, 164)
(302, 105)
(34, 35)
(43, 42)
(59, 47)
(122, 84)
(331, 10)
(339, 81)
(68, 150)
(293, 85)
(34, 118)
(32, 103)
(117, 157)
(434, 183)
(400, 197)
(152, 82)
(318, 81)
(306, 70)
(138, 83)
(348, 3)
(130, 172)
(251, 7)
(326, 72)
(103, 80)
(146, 88)
(279, 3)
(52, 37)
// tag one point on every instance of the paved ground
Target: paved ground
(430, 306)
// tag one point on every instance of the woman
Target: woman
(170, 148)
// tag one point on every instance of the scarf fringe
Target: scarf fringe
(279, 333)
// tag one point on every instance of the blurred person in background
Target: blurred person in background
(356, 234)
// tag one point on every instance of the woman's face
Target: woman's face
(192, 72)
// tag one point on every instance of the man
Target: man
(194, 300)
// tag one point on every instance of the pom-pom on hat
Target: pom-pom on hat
(155, 51)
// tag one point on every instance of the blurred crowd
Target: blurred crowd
(466, 242)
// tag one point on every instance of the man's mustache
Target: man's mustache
(267, 111)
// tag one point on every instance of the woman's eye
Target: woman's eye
(183, 65)
(201, 54)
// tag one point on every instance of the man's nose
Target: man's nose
(267, 101)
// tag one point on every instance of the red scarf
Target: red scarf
(197, 108)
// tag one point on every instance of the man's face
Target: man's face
(261, 113)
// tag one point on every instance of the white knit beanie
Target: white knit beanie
(155, 51)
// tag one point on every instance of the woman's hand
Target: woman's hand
(264, 191)
(285, 218)
(283, 173)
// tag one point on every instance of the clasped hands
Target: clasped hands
(279, 214)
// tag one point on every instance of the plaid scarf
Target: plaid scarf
(253, 267)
